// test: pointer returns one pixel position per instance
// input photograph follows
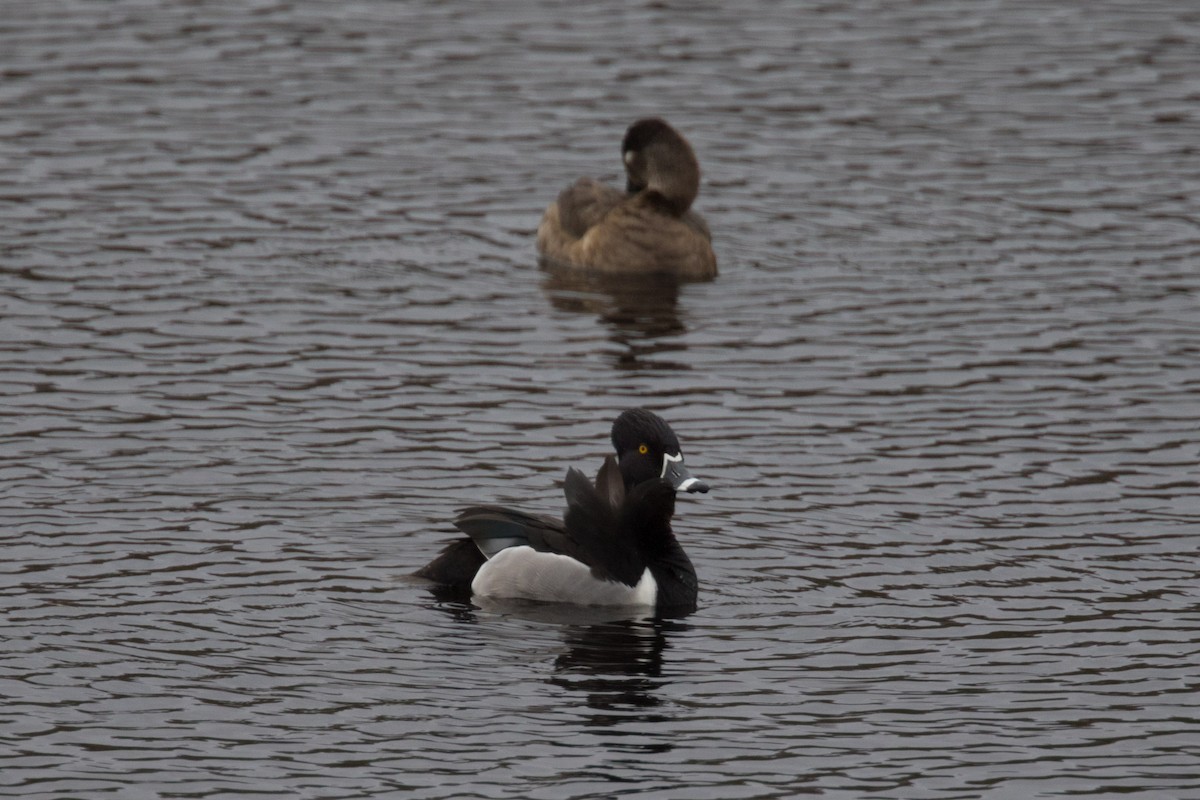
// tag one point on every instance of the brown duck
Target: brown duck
(649, 228)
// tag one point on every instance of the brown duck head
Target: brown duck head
(660, 163)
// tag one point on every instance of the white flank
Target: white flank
(522, 572)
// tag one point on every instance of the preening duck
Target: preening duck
(648, 228)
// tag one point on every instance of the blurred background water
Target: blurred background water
(270, 311)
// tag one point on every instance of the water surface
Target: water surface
(270, 312)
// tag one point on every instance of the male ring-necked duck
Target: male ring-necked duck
(613, 547)
(646, 229)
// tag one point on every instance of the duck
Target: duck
(649, 228)
(613, 546)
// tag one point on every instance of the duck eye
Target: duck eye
(643, 449)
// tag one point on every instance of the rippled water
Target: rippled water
(270, 311)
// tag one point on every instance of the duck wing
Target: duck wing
(495, 528)
(610, 484)
(593, 526)
(584, 203)
(592, 530)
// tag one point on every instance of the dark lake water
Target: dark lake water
(270, 312)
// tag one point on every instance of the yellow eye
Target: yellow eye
(643, 449)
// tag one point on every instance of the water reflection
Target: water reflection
(613, 656)
(640, 312)
(617, 665)
(454, 601)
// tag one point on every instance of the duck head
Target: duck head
(660, 162)
(647, 448)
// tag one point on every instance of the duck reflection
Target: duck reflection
(617, 665)
(615, 661)
(641, 312)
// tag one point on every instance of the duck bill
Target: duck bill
(678, 476)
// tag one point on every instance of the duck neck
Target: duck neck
(665, 203)
(676, 577)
